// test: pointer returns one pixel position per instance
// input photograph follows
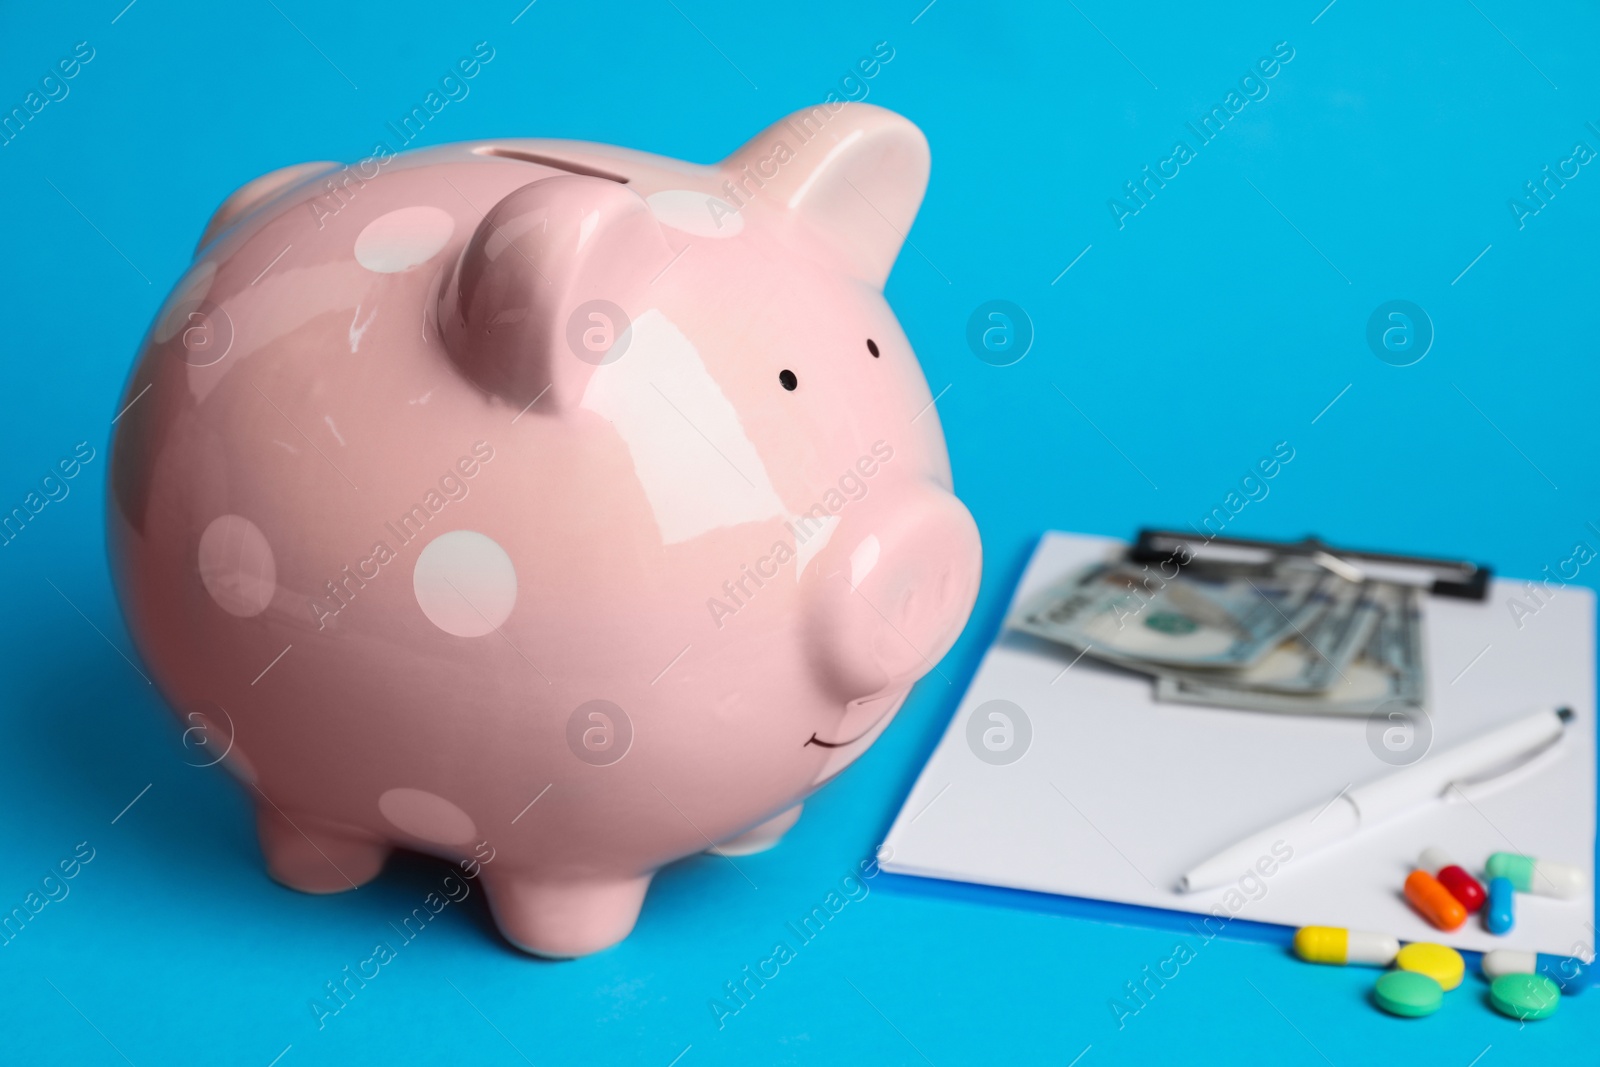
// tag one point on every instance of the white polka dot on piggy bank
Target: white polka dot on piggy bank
(701, 214)
(556, 509)
(427, 816)
(465, 583)
(236, 566)
(403, 239)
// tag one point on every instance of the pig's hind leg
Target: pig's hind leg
(313, 857)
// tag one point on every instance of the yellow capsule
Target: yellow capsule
(1338, 946)
(1440, 962)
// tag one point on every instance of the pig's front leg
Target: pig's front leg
(759, 838)
(562, 920)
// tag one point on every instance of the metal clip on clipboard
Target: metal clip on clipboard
(1441, 577)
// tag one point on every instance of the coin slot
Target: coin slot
(549, 161)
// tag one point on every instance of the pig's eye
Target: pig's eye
(872, 346)
(788, 380)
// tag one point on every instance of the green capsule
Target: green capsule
(1517, 869)
(1408, 994)
(1525, 996)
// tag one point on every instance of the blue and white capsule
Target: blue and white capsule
(1568, 972)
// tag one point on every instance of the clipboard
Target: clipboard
(1115, 795)
(1441, 577)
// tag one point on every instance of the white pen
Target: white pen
(1366, 805)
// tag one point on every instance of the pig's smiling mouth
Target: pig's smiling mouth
(886, 706)
(820, 743)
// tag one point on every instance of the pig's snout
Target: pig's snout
(892, 590)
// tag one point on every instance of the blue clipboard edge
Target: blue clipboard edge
(1111, 912)
(1115, 913)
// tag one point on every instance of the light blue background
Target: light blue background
(1207, 330)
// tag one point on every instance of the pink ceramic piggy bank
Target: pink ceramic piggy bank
(577, 501)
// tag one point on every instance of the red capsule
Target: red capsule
(1457, 882)
(1463, 887)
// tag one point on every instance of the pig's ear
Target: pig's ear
(531, 307)
(851, 174)
(253, 194)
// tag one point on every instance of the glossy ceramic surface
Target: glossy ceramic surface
(549, 506)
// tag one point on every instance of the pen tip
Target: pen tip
(1565, 714)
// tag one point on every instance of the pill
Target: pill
(1568, 972)
(1524, 996)
(1499, 915)
(1453, 877)
(1440, 962)
(1544, 877)
(1434, 901)
(1409, 994)
(1338, 946)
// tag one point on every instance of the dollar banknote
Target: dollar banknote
(1201, 619)
(1315, 657)
(1387, 671)
(1275, 636)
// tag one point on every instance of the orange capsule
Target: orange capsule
(1434, 901)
